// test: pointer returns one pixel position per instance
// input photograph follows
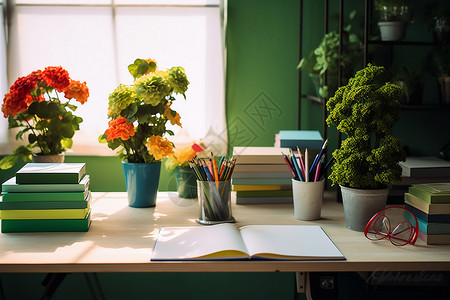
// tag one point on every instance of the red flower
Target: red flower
(18, 99)
(119, 128)
(56, 77)
(77, 90)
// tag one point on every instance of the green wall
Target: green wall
(262, 45)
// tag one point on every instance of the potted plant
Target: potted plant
(184, 176)
(367, 162)
(437, 16)
(394, 16)
(33, 106)
(411, 80)
(139, 113)
(325, 59)
(439, 61)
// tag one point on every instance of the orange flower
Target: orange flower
(169, 114)
(119, 128)
(184, 154)
(159, 147)
(56, 77)
(77, 90)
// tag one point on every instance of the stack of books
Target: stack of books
(418, 170)
(46, 197)
(430, 203)
(261, 176)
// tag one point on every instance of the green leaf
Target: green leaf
(67, 143)
(102, 138)
(72, 107)
(138, 68)
(129, 111)
(67, 130)
(8, 161)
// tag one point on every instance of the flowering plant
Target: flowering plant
(181, 155)
(33, 103)
(139, 112)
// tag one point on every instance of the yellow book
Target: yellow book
(45, 214)
(273, 187)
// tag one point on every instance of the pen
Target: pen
(318, 166)
(302, 164)
(318, 156)
(288, 163)
(306, 166)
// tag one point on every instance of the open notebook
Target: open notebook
(226, 242)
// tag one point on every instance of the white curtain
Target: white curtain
(96, 40)
(3, 79)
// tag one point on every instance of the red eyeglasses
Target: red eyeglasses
(395, 223)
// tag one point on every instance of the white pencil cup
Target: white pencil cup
(308, 198)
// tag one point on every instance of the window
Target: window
(96, 40)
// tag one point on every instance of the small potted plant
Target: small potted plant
(439, 62)
(367, 162)
(35, 106)
(394, 16)
(179, 162)
(325, 58)
(411, 80)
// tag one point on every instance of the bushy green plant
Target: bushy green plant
(366, 111)
(325, 58)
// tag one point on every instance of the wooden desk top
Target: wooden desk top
(121, 239)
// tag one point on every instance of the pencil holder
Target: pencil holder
(214, 202)
(307, 199)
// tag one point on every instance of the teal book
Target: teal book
(430, 228)
(36, 173)
(56, 225)
(311, 139)
(44, 204)
(260, 181)
(431, 192)
(48, 197)
(10, 186)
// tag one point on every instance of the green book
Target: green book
(57, 225)
(34, 173)
(33, 214)
(431, 192)
(47, 197)
(10, 186)
(4, 205)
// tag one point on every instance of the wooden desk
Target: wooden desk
(121, 239)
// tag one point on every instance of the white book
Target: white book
(227, 242)
(425, 166)
(259, 155)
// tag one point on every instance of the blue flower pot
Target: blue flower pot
(141, 181)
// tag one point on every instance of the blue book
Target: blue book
(426, 217)
(311, 139)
